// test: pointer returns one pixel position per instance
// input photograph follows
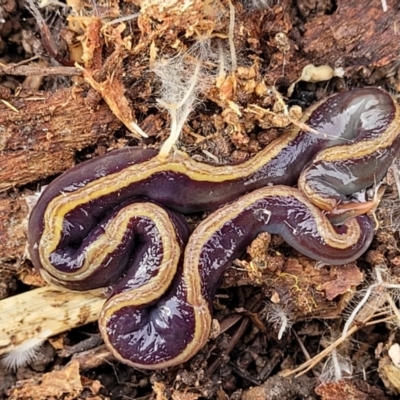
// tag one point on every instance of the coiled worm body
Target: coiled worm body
(116, 221)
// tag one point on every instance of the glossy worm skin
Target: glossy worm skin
(93, 228)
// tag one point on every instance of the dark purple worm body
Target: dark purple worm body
(93, 226)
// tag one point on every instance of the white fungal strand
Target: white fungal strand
(25, 353)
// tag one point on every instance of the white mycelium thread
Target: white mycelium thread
(26, 352)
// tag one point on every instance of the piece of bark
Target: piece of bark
(13, 226)
(34, 70)
(40, 138)
(359, 32)
(354, 389)
(277, 387)
(45, 312)
(357, 36)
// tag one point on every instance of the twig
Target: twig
(309, 364)
(230, 37)
(27, 70)
(10, 106)
(306, 366)
(381, 288)
(123, 19)
(45, 309)
(47, 38)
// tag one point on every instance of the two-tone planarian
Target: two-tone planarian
(117, 221)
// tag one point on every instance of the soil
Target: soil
(76, 76)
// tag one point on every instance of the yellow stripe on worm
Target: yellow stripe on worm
(86, 232)
(97, 253)
(345, 166)
(212, 247)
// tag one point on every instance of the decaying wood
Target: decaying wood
(357, 36)
(45, 312)
(13, 227)
(346, 388)
(28, 70)
(41, 132)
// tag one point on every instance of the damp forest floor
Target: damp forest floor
(80, 78)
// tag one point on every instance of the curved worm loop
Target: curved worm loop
(174, 328)
(92, 226)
